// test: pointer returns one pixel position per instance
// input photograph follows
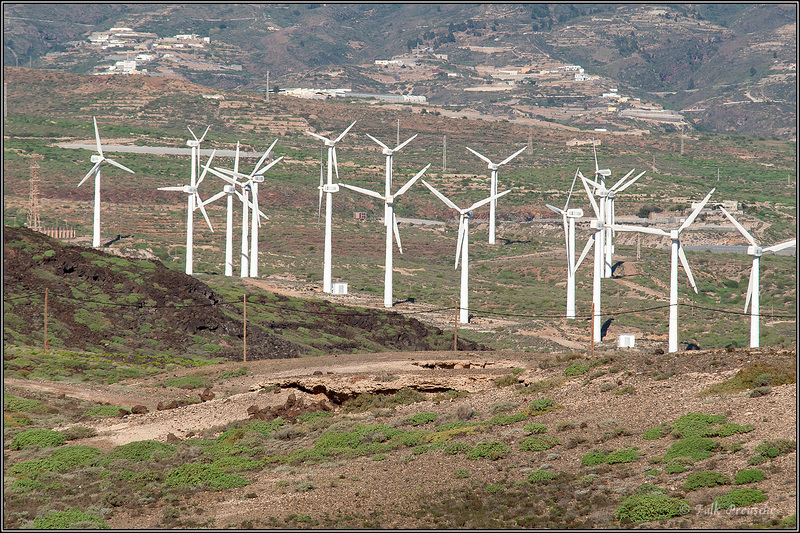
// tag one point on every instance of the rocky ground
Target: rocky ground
(383, 492)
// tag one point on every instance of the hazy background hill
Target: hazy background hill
(732, 65)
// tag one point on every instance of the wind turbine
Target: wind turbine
(568, 217)
(329, 188)
(462, 248)
(97, 159)
(390, 221)
(753, 287)
(597, 240)
(194, 202)
(249, 185)
(677, 253)
(493, 186)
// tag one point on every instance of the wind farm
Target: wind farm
(482, 351)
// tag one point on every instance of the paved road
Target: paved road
(158, 150)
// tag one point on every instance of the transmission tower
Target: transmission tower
(34, 222)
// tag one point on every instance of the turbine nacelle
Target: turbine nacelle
(96, 158)
(575, 213)
(193, 143)
(333, 187)
(756, 251)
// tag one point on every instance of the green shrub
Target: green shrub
(236, 464)
(540, 406)
(506, 381)
(535, 428)
(697, 448)
(756, 460)
(622, 456)
(772, 449)
(379, 457)
(649, 507)
(489, 450)
(234, 373)
(78, 432)
(137, 451)
(69, 519)
(705, 478)
(540, 476)
(460, 473)
(576, 369)
(748, 476)
(197, 474)
(697, 425)
(760, 391)
(42, 438)
(538, 443)
(187, 382)
(505, 420)
(790, 522)
(674, 468)
(657, 432)
(453, 448)
(420, 419)
(593, 458)
(105, 411)
(726, 430)
(493, 488)
(740, 498)
(13, 403)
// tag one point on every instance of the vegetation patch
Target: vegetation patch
(69, 519)
(740, 498)
(697, 448)
(576, 369)
(648, 507)
(41, 438)
(705, 478)
(657, 432)
(541, 476)
(538, 443)
(535, 428)
(193, 475)
(750, 475)
(187, 382)
(137, 451)
(493, 450)
(753, 376)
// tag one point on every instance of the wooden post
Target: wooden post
(244, 356)
(455, 331)
(45, 321)
(591, 328)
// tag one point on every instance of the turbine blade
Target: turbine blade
(205, 168)
(641, 229)
(377, 141)
(335, 163)
(399, 146)
(320, 137)
(685, 263)
(750, 287)
(696, 212)
(269, 165)
(586, 249)
(199, 205)
(569, 196)
(190, 131)
(170, 189)
(214, 198)
(621, 180)
(362, 191)
(119, 165)
(441, 197)
(479, 155)
(271, 146)
(236, 159)
(411, 182)
(485, 201)
(556, 209)
(339, 138)
(781, 246)
(461, 227)
(509, 158)
(596, 166)
(218, 172)
(592, 201)
(630, 182)
(396, 232)
(97, 137)
(204, 135)
(321, 178)
(94, 169)
(258, 165)
(739, 227)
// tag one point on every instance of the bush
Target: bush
(540, 476)
(453, 448)
(493, 488)
(421, 418)
(649, 507)
(489, 450)
(42, 438)
(538, 443)
(706, 478)
(137, 451)
(697, 425)
(740, 498)
(726, 430)
(772, 449)
(105, 411)
(69, 520)
(622, 456)
(748, 476)
(535, 428)
(760, 391)
(78, 432)
(506, 381)
(187, 382)
(657, 432)
(576, 369)
(197, 474)
(540, 406)
(593, 458)
(697, 448)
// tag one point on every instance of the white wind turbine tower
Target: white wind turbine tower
(390, 221)
(753, 287)
(462, 248)
(329, 188)
(597, 240)
(568, 216)
(194, 202)
(677, 253)
(493, 186)
(97, 159)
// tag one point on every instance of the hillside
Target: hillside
(139, 309)
(726, 68)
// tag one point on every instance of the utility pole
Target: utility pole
(244, 356)
(266, 93)
(444, 152)
(46, 344)
(34, 222)
(398, 131)
(681, 138)
(455, 332)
